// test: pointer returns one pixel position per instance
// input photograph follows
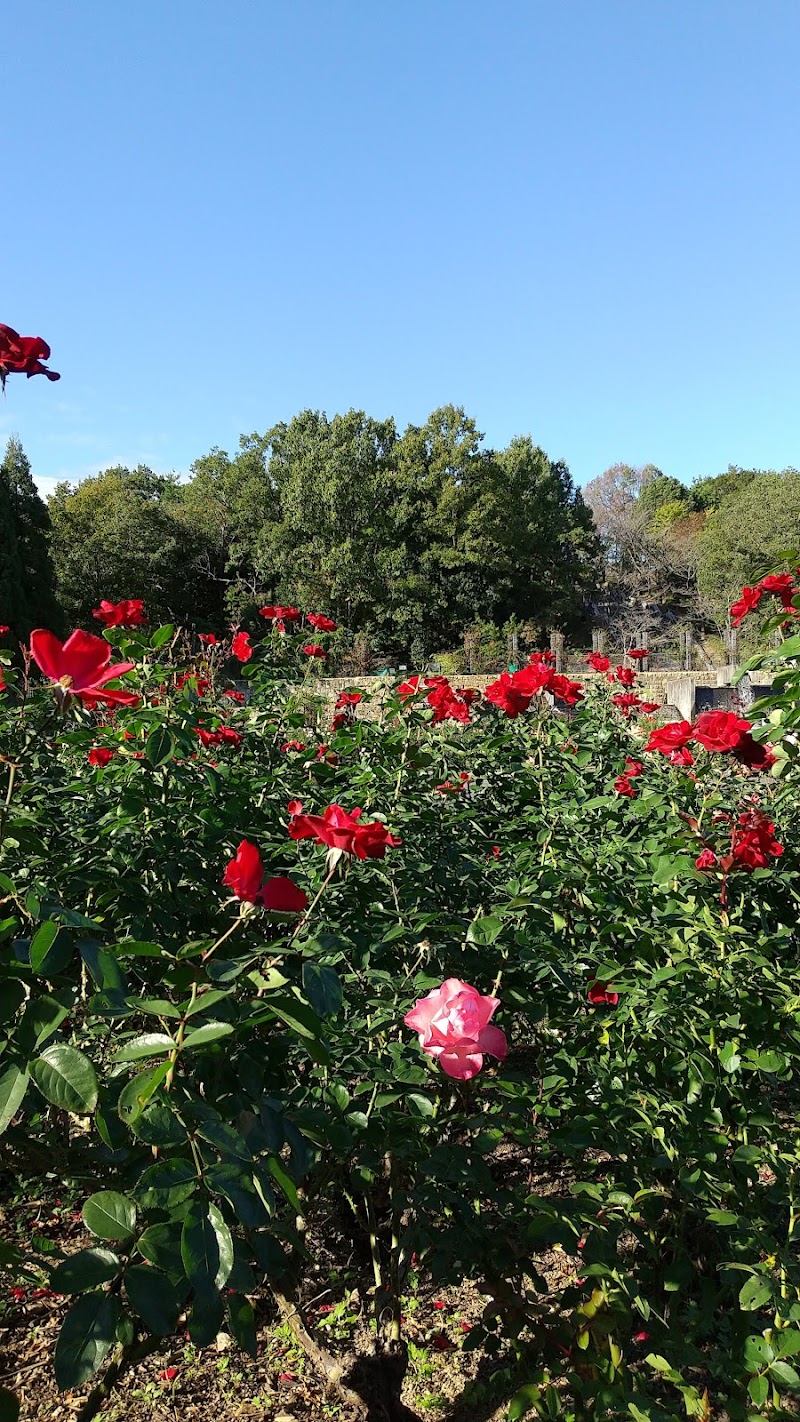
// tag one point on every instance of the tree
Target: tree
(27, 578)
(120, 535)
(747, 534)
(327, 546)
(547, 558)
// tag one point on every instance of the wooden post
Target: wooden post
(557, 647)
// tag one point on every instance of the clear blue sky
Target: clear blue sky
(580, 220)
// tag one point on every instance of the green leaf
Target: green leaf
(13, 1085)
(85, 1270)
(167, 1184)
(137, 1093)
(51, 950)
(755, 1293)
(205, 1319)
(149, 1044)
(41, 1018)
(66, 1078)
(484, 931)
(285, 1182)
(161, 1245)
(209, 1032)
(757, 1353)
(206, 1248)
(242, 1322)
(784, 1376)
(9, 1406)
(758, 1389)
(162, 635)
(322, 987)
(153, 1297)
(161, 746)
(86, 1336)
(524, 1401)
(236, 1185)
(110, 1215)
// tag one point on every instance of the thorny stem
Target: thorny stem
(12, 771)
(181, 1033)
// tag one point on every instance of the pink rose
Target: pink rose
(452, 1023)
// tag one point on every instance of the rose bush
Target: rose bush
(226, 1063)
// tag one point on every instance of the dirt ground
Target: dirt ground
(444, 1382)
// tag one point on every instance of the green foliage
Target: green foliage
(747, 534)
(229, 1084)
(120, 535)
(27, 579)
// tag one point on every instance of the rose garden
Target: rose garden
(450, 1040)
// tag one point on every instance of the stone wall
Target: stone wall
(676, 690)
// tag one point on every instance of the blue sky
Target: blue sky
(578, 220)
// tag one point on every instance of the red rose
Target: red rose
(625, 701)
(312, 650)
(241, 648)
(780, 585)
(339, 830)
(747, 603)
(505, 694)
(530, 680)
(293, 746)
(633, 768)
(128, 613)
(349, 698)
(208, 639)
(568, 691)
(638, 654)
(282, 614)
(281, 895)
(600, 994)
(598, 662)
(245, 873)
(23, 355)
(670, 737)
(409, 688)
(626, 676)
(683, 756)
(320, 622)
(649, 706)
(100, 755)
(754, 754)
(245, 876)
(80, 667)
(706, 860)
(623, 787)
(753, 841)
(720, 731)
(448, 705)
(237, 696)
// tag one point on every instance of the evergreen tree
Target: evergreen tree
(27, 576)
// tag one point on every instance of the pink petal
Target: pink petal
(460, 1064)
(493, 1041)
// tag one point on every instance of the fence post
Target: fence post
(557, 647)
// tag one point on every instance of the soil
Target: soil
(444, 1382)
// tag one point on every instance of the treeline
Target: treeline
(408, 537)
(415, 542)
(677, 556)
